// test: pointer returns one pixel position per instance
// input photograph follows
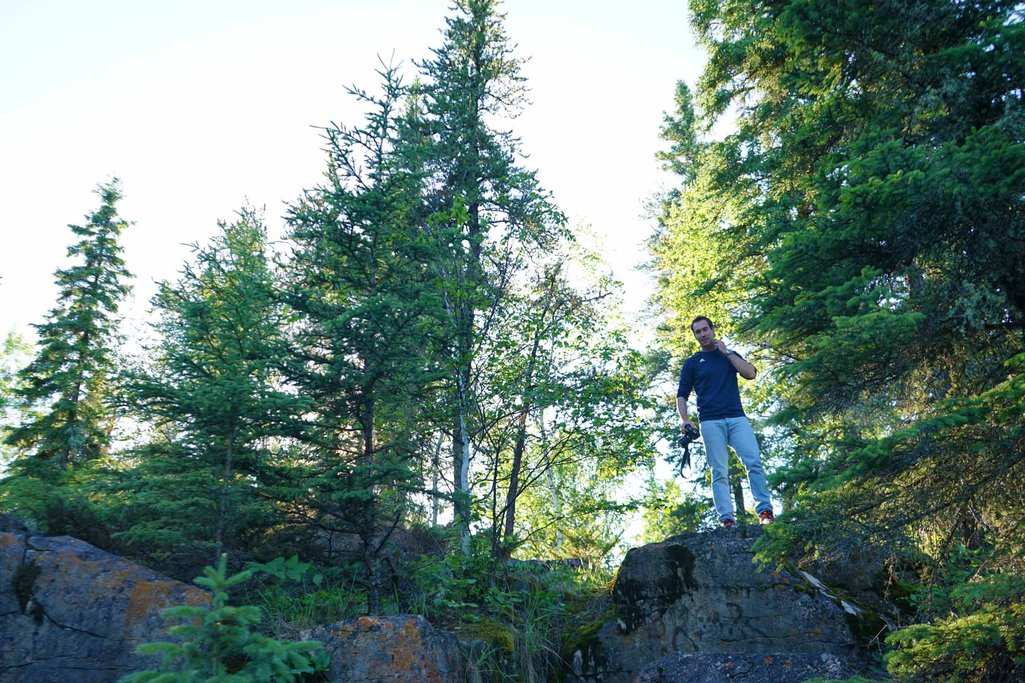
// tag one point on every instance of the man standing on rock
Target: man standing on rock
(712, 374)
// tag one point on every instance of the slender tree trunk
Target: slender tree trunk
(514, 477)
(461, 462)
(495, 530)
(67, 456)
(222, 511)
(64, 460)
(521, 431)
(463, 322)
(369, 533)
(436, 470)
(520, 447)
(738, 496)
(553, 488)
(737, 474)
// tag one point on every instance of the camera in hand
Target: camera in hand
(690, 433)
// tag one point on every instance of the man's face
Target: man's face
(703, 332)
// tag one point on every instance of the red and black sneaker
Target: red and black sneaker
(729, 524)
(766, 517)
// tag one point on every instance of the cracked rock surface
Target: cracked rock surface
(698, 600)
(750, 668)
(70, 612)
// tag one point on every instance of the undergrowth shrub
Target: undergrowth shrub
(218, 643)
(519, 615)
(982, 638)
(61, 507)
(296, 595)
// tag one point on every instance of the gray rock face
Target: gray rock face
(404, 649)
(701, 593)
(693, 608)
(761, 668)
(70, 612)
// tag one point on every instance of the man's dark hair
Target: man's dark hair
(699, 319)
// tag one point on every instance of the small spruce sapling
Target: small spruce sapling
(217, 643)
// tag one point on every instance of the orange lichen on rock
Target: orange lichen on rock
(396, 648)
(149, 597)
(10, 540)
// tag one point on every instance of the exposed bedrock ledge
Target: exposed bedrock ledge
(701, 593)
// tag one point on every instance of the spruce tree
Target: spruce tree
(69, 378)
(211, 394)
(486, 208)
(222, 642)
(366, 323)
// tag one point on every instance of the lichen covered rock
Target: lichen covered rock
(404, 648)
(72, 612)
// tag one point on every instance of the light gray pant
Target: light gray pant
(736, 432)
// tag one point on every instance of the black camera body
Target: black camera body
(690, 434)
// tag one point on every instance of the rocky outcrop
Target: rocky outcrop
(71, 612)
(693, 608)
(696, 604)
(403, 648)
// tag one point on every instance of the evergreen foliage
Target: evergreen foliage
(218, 643)
(975, 634)
(367, 325)
(487, 212)
(14, 354)
(64, 410)
(69, 377)
(210, 395)
(862, 229)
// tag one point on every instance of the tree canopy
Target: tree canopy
(862, 229)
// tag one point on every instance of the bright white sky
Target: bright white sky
(201, 106)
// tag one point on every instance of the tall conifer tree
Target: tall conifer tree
(69, 379)
(486, 207)
(367, 312)
(211, 394)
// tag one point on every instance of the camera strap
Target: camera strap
(685, 459)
